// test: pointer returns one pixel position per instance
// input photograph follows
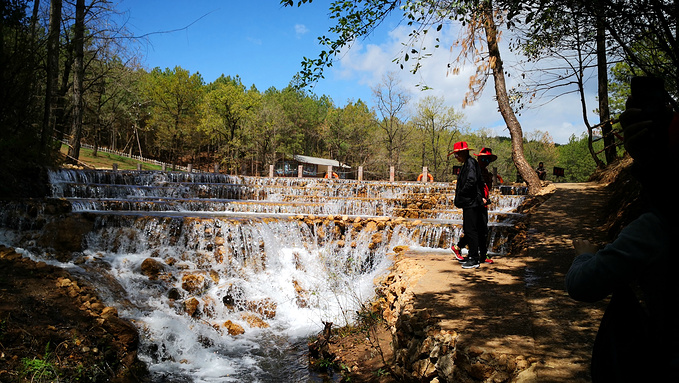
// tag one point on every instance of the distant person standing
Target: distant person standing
(470, 197)
(540, 170)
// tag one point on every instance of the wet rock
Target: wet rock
(174, 294)
(123, 330)
(232, 297)
(254, 321)
(191, 306)
(208, 304)
(301, 294)
(214, 276)
(371, 226)
(171, 261)
(152, 268)
(233, 328)
(194, 283)
(65, 235)
(264, 307)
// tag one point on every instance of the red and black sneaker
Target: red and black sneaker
(456, 251)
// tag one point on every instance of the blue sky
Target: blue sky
(264, 43)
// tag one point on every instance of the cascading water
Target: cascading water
(225, 277)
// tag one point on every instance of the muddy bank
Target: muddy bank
(54, 328)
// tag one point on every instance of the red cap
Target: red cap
(460, 146)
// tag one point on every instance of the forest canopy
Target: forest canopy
(69, 74)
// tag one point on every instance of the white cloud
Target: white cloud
(301, 30)
(367, 63)
(254, 40)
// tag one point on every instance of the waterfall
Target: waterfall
(226, 276)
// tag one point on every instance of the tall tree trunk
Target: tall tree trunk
(78, 73)
(34, 17)
(52, 70)
(59, 114)
(515, 132)
(590, 130)
(602, 75)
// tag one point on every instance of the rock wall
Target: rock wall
(423, 352)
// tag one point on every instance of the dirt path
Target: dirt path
(518, 305)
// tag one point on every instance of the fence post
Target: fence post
(270, 171)
(360, 173)
(494, 177)
(300, 171)
(216, 169)
(425, 173)
(391, 173)
(138, 167)
(115, 167)
(189, 168)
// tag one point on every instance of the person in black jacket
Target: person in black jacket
(469, 196)
(484, 158)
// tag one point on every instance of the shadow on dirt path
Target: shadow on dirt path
(518, 305)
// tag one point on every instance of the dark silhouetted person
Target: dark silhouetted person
(638, 338)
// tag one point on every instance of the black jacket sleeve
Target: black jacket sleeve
(469, 189)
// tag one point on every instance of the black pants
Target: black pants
(475, 227)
